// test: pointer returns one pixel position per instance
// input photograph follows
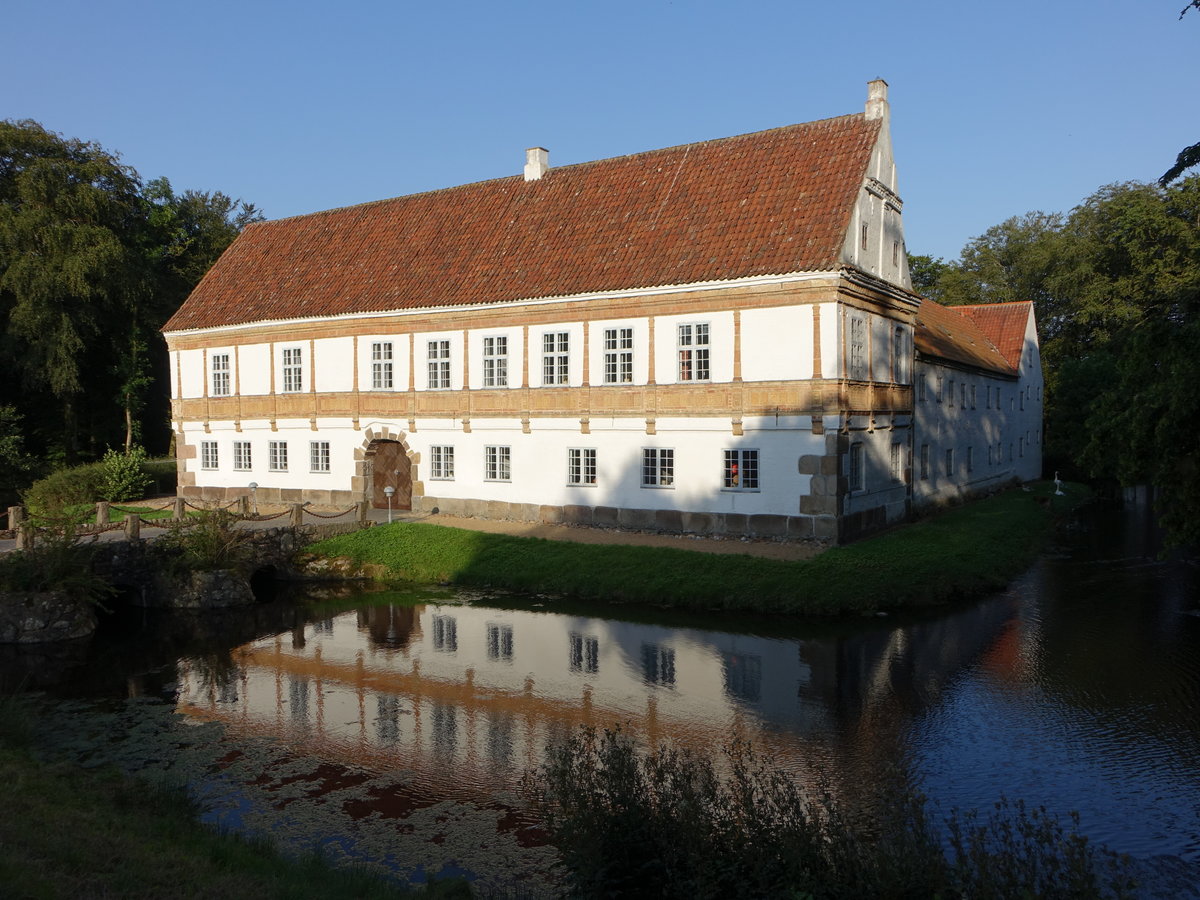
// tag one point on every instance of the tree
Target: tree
(92, 263)
(927, 273)
(1188, 156)
(67, 261)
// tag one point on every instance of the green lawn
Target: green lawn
(959, 552)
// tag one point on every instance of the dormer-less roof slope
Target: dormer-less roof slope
(770, 203)
(953, 334)
(1005, 324)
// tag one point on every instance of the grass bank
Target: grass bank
(963, 551)
(67, 832)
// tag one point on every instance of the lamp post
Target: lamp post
(389, 490)
(254, 498)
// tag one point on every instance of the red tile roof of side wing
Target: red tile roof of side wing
(945, 333)
(769, 203)
(1004, 323)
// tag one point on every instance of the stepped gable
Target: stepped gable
(769, 203)
(951, 334)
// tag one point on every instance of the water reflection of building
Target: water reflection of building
(462, 693)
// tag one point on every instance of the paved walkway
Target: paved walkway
(785, 550)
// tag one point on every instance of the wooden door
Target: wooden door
(391, 466)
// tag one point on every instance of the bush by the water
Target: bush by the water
(58, 561)
(204, 542)
(668, 824)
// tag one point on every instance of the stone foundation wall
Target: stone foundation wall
(666, 520)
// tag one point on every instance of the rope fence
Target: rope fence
(26, 529)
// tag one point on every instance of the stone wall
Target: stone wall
(34, 618)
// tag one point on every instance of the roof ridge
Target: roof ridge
(578, 165)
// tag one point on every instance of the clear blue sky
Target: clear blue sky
(997, 108)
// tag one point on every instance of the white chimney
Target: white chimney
(877, 101)
(537, 163)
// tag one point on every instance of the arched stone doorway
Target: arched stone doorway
(388, 464)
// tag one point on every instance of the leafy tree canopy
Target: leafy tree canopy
(1116, 289)
(92, 262)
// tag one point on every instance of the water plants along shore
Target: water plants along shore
(957, 553)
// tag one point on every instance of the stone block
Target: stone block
(577, 515)
(670, 520)
(698, 523)
(474, 508)
(497, 509)
(768, 525)
(811, 465)
(829, 465)
(825, 528)
(818, 506)
(526, 512)
(606, 516)
(735, 523)
(800, 528)
(550, 515)
(640, 519)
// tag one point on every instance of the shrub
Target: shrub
(59, 492)
(666, 824)
(124, 475)
(204, 542)
(57, 561)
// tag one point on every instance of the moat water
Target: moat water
(393, 728)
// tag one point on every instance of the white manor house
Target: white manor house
(716, 337)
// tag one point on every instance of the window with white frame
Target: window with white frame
(921, 388)
(556, 357)
(497, 463)
(438, 358)
(950, 393)
(857, 475)
(618, 355)
(208, 455)
(896, 463)
(441, 462)
(740, 470)
(924, 462)
(693, 351)
(970, 459)
(495, 361)
(581, 465)
(972, 396)
(277, 460)
(963, 395)
(293, 369)
(658, 467)
(241, 456)
(858, 348)
(318, 456)
(219, 363)
(950, 463)
(381, 366)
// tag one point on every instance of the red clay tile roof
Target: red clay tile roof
(768, 203)
(951, 334)
(1004, 323)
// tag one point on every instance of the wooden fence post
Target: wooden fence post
(178, 513)
(297, 515)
